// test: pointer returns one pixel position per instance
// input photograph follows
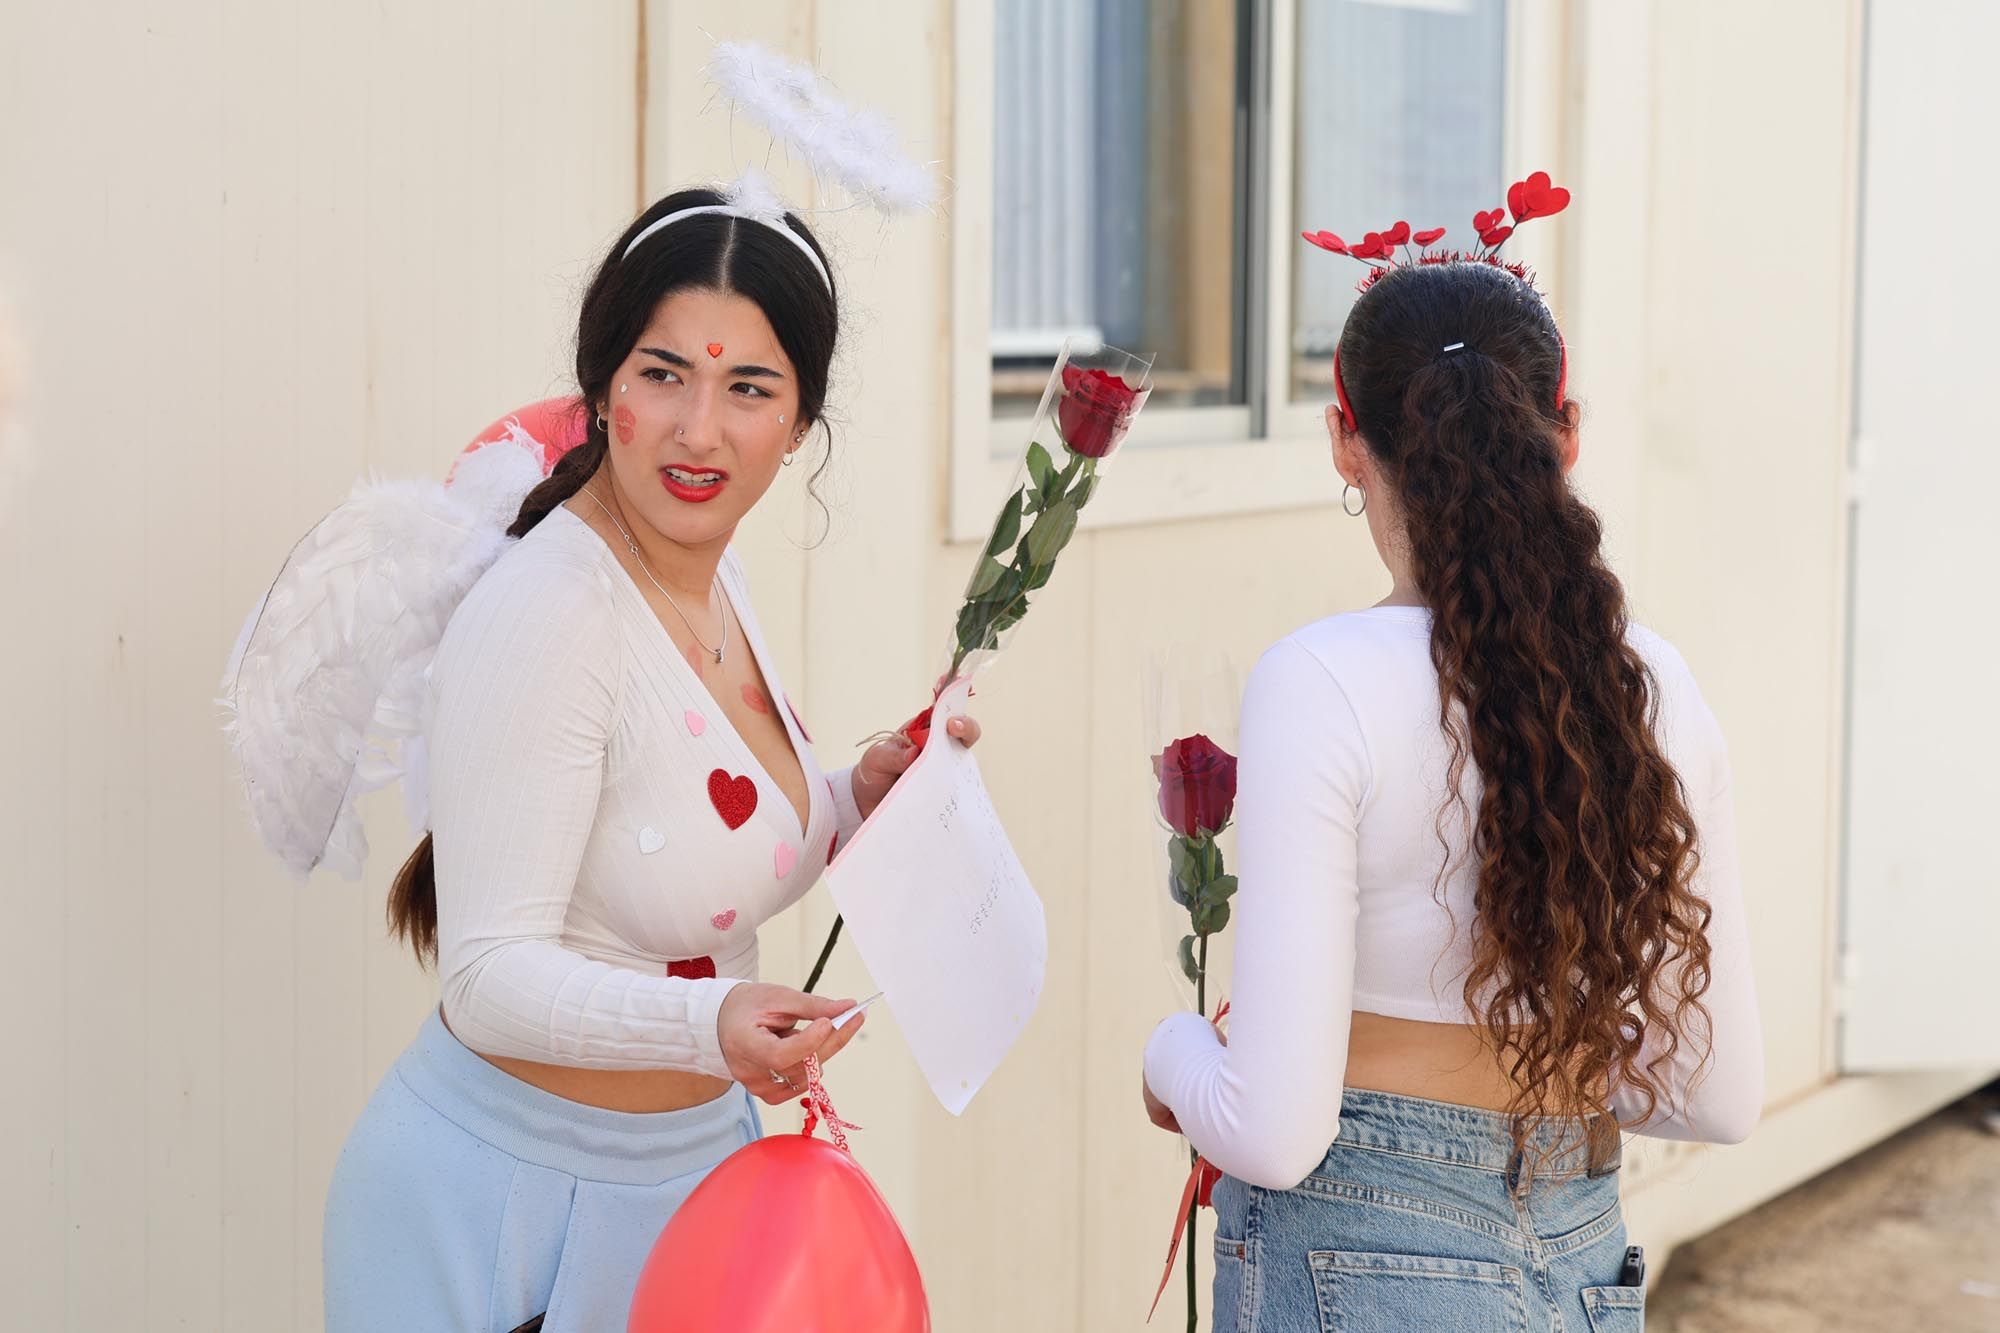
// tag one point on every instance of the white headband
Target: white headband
(737, 211)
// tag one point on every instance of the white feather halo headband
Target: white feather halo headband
(854, 148)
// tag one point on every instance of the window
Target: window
(1398, 116)
(1138, 173)
(1118, 191)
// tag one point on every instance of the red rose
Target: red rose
(1095, 410)
(1197, 785)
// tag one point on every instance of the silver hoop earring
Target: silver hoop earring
(789, 453)
(600, 422)
(1353, 513)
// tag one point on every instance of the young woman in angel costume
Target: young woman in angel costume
(619, 791)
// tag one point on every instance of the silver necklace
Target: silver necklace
(647, 570)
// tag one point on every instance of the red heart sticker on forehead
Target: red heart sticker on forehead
(715, 349)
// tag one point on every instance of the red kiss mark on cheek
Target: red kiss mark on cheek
(626, 421)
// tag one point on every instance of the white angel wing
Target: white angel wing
(324, 693)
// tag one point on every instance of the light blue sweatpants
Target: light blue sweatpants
(467, 1201)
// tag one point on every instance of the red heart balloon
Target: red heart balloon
(787, 1234)
(735, 799)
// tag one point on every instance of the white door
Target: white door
(1921, 929)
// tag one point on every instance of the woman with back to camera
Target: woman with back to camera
(620, 795)
(1489, 908)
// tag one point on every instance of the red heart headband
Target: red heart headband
(1562, 380)
(1532, 198)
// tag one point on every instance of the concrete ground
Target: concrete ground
(1904, 1237)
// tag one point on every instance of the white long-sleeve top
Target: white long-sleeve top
(591, 817)
(1340, 781)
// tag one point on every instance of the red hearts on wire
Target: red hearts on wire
(735, 799)
(1373, 246)
(1398, 234)
(1535, 197)
(1496, 236)
(1485, 222)
(1431, 237)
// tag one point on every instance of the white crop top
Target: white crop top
(1341, 777)
(596, 819)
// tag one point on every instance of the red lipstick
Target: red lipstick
(694, 485)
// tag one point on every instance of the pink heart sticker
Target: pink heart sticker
(696, 723)
(723, 920)
(785, 858)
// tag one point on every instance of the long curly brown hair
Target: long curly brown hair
(1588, 937)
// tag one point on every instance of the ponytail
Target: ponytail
(1587, 935)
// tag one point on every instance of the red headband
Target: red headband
(1532, 198)
(1562, 383)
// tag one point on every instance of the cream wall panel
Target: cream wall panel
(1741, 531)
(280, 244)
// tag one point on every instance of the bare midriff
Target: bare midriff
(1442, 1062)
(637, 1090)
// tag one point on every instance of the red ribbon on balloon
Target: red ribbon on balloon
(820, 1107)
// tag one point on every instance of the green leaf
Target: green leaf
(1051, 533)
(1007, 530)
(988, 576)
(1222, 888)
(1210, 917)
(1186, 869)
(1040, 467)
(975, 626)
(1084, 490)
(1189, 969)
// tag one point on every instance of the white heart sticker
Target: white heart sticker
(651, 840)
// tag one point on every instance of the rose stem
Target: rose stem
(1194, 1158)
(826, 953)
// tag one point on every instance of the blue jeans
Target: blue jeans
(1412, 1223)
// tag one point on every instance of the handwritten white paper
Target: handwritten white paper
(943, 915)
